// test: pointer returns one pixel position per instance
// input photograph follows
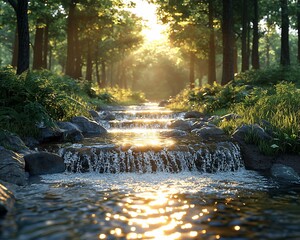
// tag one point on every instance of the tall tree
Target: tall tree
(228, 38)
(21, 8)
(71, 36)
(285, 49)
(212, 48)
(298, 29)
(255, 53)
(245, 30)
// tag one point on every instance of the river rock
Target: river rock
(44, 163)
(208, 132)
(95, 115)
(175, 133)
(180, 125)
(12, 167)
(107, 116)
(12, 142)
(242, 131)
(7, 200)
(193, 114)
(200, 124)
(70, 132)
(87, 126)
(284, 172)
(51, 134)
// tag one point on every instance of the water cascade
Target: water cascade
(137, 142)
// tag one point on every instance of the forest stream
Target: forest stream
(140, 182)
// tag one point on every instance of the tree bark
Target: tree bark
(21, 8)
(14, 61)
(38, 46)
(227, 30)
(103, 74)
(298, 29)
(46, 45)
(212, 48)
(255, 54)
(70, 64)
(285, 49)
(192, 70)
(245, 29)
(89, 64)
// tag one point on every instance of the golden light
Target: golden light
(237, 228)
(141, 137)
(154, 31)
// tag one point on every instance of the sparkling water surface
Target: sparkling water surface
(186, 205)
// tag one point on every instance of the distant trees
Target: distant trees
(93, 39)
(244, 25)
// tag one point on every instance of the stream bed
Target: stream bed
(114, 196)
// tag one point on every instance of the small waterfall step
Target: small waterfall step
(218, 157)
(139, 141)
(139, 123)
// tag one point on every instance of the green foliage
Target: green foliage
(257, 97)
(117, 95)
(37, 97)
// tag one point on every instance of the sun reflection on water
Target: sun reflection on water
(140, 137)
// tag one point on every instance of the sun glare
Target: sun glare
(154, 31)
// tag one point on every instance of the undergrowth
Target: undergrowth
(268, 97)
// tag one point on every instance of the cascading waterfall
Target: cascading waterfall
(129, 148)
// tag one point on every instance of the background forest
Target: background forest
(101, 42)
(221, 56)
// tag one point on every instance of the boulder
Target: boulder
(200, 124)
(44, 163)
(175, 133)
(51, 134)
(285, 173)
(87, 126)
(259, 132)
(208, 132)
(12, 142)
(95, 115)
(193, 114)
(180, 125)
(7, 200)
(107, 116)
(71, 133)
(12, 167)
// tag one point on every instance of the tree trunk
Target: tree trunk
(46, 45)
(235, 58)
(212, 48)
(38, 46)
(98, 73)
(192, 70)
(227, 30)
(285, 50)
(255, 54)
(298, 29)
(89, 64)
(21, 8)
(70, 64)
(245, 29)
(103, 74)
(14, 61)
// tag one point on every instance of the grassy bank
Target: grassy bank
(42, 97)
(270, 98)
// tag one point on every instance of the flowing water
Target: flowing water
(139, 182)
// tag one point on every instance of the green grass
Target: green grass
(44, 97)
(264, 96)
